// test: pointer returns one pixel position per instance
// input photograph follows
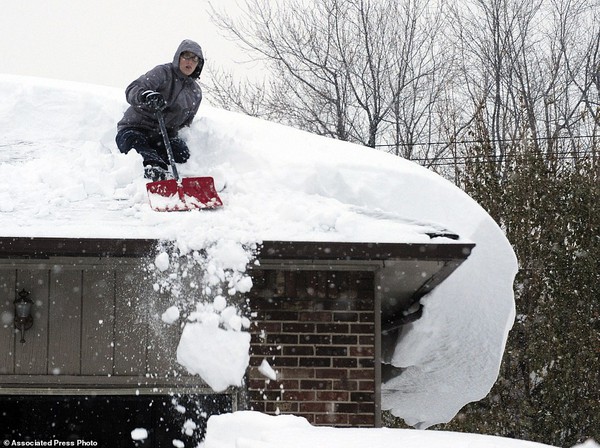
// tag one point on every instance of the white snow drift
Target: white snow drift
(255, 430)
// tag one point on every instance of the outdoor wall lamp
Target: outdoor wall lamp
(23, 317)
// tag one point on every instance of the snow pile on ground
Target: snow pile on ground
(255, 430)
(61, 175)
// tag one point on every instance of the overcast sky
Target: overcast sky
(107, 42)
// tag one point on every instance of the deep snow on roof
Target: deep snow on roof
(62, 176)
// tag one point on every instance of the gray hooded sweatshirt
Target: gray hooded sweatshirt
(182, 95)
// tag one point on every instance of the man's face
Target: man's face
(188, 62)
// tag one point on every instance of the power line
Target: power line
(480, 141)
(449, 160)
(562, 155)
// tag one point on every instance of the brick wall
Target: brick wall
(316, 328)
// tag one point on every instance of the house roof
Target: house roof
(62, 178)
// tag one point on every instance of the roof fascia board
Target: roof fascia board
(44, 248)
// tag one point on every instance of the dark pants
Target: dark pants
(151, 147)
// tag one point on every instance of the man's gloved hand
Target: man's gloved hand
(153, 100)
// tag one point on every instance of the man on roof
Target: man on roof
(172, 89)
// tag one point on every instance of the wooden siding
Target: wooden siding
(90, 320)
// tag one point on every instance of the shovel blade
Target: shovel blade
(200, 192)
(190, 194)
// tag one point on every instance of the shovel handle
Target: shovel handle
(163, 131)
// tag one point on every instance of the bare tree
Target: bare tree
(527, 68)
(422, 75)
(358, 70)
(296, 42)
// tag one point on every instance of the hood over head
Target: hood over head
(189, 45)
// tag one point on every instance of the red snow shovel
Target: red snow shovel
(179, 195)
